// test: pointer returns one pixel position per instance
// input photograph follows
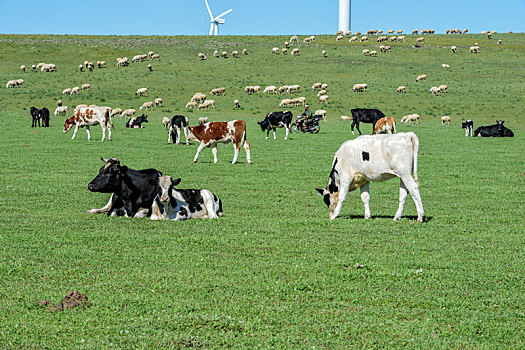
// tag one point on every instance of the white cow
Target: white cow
(374, 158)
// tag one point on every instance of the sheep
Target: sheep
(401, 38)
(142, 92)
(434, 90)
(453, 48)
(80, 68)
(138, 58)
(352, 39)
(373, 53)
(465, 31)
(391, 31)
(285, 102)
(20, 82)
(499, 42)
(61, 110)
(33, 67)
(150, 54)
(321, 112)
(11, 84)
(401, 89)
(347, 33)
(321, 93)
(48, 68)
(158, 102)
(270, 90)
(295, 52)
(202, 56)
(218, 91)
(224, 54)
(59, 103)
(381, 39)
(150, 68)
(293, 88)
(363, 38)
(339, 32)
(249, 90)
(85, 86)
(445, 65)
(191, 104)
(166, 122)
(155, 57)
(116, 111)
(216, 53)
(366, 52)
(360, 87)
(339, 38)
(294, 38)
(101, 64)
(420, 39)
(393, 39)
(66, 91)
(443, 88)
(323, 98)
(128, 113)
(421, 77)
(75, 90)
(146, 105)
(283, 89)
(387, 48)
(382, 48)
(316, 86)
(410, 118)
(445, 119)
(235, 54)
(123, 62)
(257, 89)
(489, 36)
(206, 104)
(198, 97)
(324, 53)
(236, 104)
(284, 51)
(23, 68)
(275, 50)
(474, 49)
(307, 40)
(415, 32)
(245, 51)
(39, 65)
(202, 120)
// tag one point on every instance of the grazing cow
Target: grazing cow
(386, 125)
(35, 116)
(44, 115)
(374, 158)
(496, 130)
(468, 126)
(210, 134)
(178, 122)
(275, 120)
(178, 204)
(133, 191)
(90, 116)
(365, 115)
(136, 122)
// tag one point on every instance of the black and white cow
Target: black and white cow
(178, 204)
(137, 122)
(178, 122)
(365, 115)
(35, 115)
(133, 191)
(468, 126)
(275, 120)
(496, 130)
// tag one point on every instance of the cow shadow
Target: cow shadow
(404, 217)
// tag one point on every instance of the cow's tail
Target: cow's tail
(345, 117)
(394, 127)
(415, 149)
(109, 120)
(220, 213)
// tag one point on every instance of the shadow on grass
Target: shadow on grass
(409, 217)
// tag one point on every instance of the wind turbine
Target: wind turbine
(215, 21)
(344, 15)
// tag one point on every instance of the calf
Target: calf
(44, 115)
(210, 134)
(386, 125)
(365, 115)
(90, 116)
(133, 191)
(496, 130)
(176, 204)
(137, 122)
(275, 120)
(374, 158)
(468, 126)
(178, 122)
(35, 114)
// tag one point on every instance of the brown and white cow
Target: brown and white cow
(386, 125)
(85, 117)
(210, 134)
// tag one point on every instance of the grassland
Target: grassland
(274, 272)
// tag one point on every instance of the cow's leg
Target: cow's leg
(267, 133)
(75, 133)
(247, 149)
(274, 136)
(104, 209)
(402, 198)
(413, 189)
(236, 148)
(344, 184)
(177, 137)
(357, 127)
(201, 147)
(209, 203)
(103, 131)
(287, 127)
(214, 152)
(365, 197)
(353, 124)
(185, 128)
(109, 131)
(169, 134)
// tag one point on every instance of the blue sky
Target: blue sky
(253, 17)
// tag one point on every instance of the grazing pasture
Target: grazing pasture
(274, 272)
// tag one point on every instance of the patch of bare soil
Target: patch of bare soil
(70, 301)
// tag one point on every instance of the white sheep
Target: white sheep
(270, 90)
(445, 65)
(366, 52)
(284, 51)
(128, 113)
(352, 39)
(202, 56)
(445, 119)
(66, 91)
(453, 48)
(75, 90)
(202, 120)
(323, 98)
(216, 53)
(316, 86)
(166, 122)
(61, 110)
(294, 38)
(218, 91)
(324, 53)
(498, 43)
(155, 57)
(360, 87)
(147, 105)
(11, 84)
(191, 104)
(283, 89)
(275, 50)
(245, 51)
(158, 102)
(324, 86)
(401, 89)
(295, 52)
(373, 53)
(321, 93)
(422, 77)
(85, 86)
(235, 54)
(474, 49)
(198, 97)
(142, 92)
(339, 38)
(410, 118)
(363, 38)
(224, 54)
(23, 68)
(434, 90)
(116, 111)
(236, 104)
(443, 88)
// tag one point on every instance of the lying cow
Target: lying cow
(496, 130)
(386, 125)
(136, 122)
(275, 120)
(210, 134)
(374, 158)
(133, 191)
(85, 117)
(177, 204)
(365, 115)
(177, 123)
(468, 126)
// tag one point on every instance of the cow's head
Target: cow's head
(264, 124)
(68, 124)
(109, 177)
(144, 118)
(166, 184)
(330, 194)
(191, 135)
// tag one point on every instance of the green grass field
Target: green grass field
(274, 272)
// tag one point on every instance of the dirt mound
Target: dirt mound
(70, 301)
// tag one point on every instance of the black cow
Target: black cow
(275, 120)
(36, 117)
(133, 191)
(365, 115)
(178, 122)
(468, 126)
(137, 122)
(496, 130)
(44, 115)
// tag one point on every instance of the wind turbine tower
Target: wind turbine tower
(344, 15)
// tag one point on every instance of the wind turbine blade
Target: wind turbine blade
(211, 29)
(209, 11)
(216, 29)
(222, 14)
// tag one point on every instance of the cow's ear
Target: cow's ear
(124, 170)
(105, 160)
(259, 123)
(175, 182)
(320, 191)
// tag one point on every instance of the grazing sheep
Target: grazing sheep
(33, 67)
(75, 90)
(245, 51)
(442, 88)
(275, 50)
(257, 89)
(415, 32)
(23, 68)
(324, 53)
(316, 86)
(19, 82)
(283, 89)
(150, 68)
(434, 90)
(474, 49)
(294, 38)
(123, 62)
(142, 92)
(166, 122)
(146, 105)
(285, 102)
(235, 54)
(295, 52)
(236, 103)
(206, 104)
(249, 90)
(401, 38)
(61, 110)
(363, 38)
(155, 57)
(308, 40)
(66, 91)
(270, 90)
(323, 98)
(322, 113)
(453, 49)
(80, 68)
(85, 86)
(420, 40)
(445, 119)
(387, 48)
(59, 103)
(128, 113)
(401, 89)
(202, 120)
(216, 53)
(321, 93)
(150, 53)
(339, 38)
(101, 64)
(347, 33)
(352, 39)
(489, 36)
(399, 31)
(158, 102)
(410, 118)
(360, 88)
(293, 88)
(11, 84)
(499, 42)
(393, 39)
(198, 97)
(382, 48)
(224, 54)
(116, 111)
(373, 53)
(445, 65)
(202, 56)
(284, 51)
(287, 44)
(390, 31)
(191, 104)
(421, 77)
(324, 86)
(366, 52)
(218, 91)
(465, 31)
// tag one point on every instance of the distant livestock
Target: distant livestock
(177, 123)
(422, 77)
(365, 115)
(386, 125)
(496, 130)
(142, 92)
(85, 117)
(468, 126)
(401, 89)
(445, 119)
(411, 118)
